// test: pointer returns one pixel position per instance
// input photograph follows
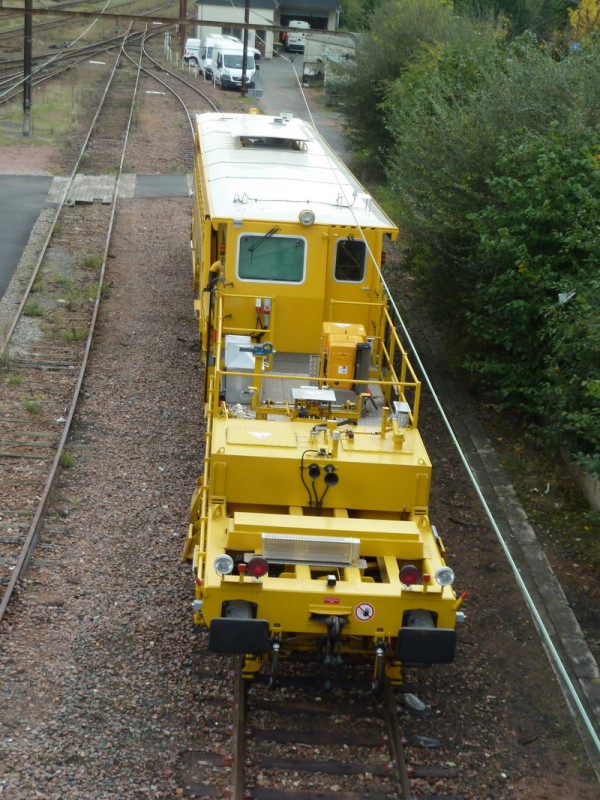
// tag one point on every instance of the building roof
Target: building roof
(271, 4)
(300, 7)
(308, 7)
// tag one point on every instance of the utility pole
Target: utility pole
(27, 28)
(182, 28)
(245, 53)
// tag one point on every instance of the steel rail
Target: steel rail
(33, 532)
(391, 720)
(238, 766)
(63, 65)
(178, 78)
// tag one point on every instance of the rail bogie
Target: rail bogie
(310, 525)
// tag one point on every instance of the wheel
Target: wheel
(193, 61)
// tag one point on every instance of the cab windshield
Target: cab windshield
(266, 257)
(234, 61)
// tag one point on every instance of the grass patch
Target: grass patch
(63, 280)
(33, 309)
(32, 406)
(93, 262)
(75, 334)
(14, 380)
(80, 296)
(66, 459)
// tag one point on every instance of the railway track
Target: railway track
(305, 741)
(55, 60)
(45, 348)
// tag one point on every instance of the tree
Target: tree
(541, 17)
(399, 30)
(538, 248)
(496, 163)
(355, 14)
(447, 117)
(584, 19)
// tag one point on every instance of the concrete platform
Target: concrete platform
(23, 198)
(102, 188)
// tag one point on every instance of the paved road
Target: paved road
(280, 80)
(21, 199)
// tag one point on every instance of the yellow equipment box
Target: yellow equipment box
(339, 352)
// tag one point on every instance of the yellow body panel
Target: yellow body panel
(314, 467)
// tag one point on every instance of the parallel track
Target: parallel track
(45, 347)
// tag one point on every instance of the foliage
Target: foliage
(494, 160)
(541, 17)
(32, 406)
(355, 14)
(33, 309)
(66, 459)
(447, 116)
(399, 29)
(584, 19)
(535, 318)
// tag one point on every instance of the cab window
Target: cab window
(350, 260)
(266, 257)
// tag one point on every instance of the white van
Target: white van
(191, 52)
(227, 60)
(295, 41)
(206, 54)
(199, 53)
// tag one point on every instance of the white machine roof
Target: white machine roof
(271, 168)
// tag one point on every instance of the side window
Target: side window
(219, 61)
(350, 260)
(265, 257)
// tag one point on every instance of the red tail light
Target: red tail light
(409, 575)
(257, 567)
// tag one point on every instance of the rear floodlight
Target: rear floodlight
(331, 551)
(223, 564)
(444, 576)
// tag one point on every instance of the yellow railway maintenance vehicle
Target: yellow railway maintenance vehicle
(309, 526)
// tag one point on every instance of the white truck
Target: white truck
(295, 41)
(227, 64)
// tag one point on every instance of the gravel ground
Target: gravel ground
(103, 684)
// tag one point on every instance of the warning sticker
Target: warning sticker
(342, 370)
(364, 612)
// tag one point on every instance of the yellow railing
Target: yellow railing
(387, 352)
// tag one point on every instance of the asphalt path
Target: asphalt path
(22, 197)
(280, 80)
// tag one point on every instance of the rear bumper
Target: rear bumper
(426, 645)
(230, 636)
